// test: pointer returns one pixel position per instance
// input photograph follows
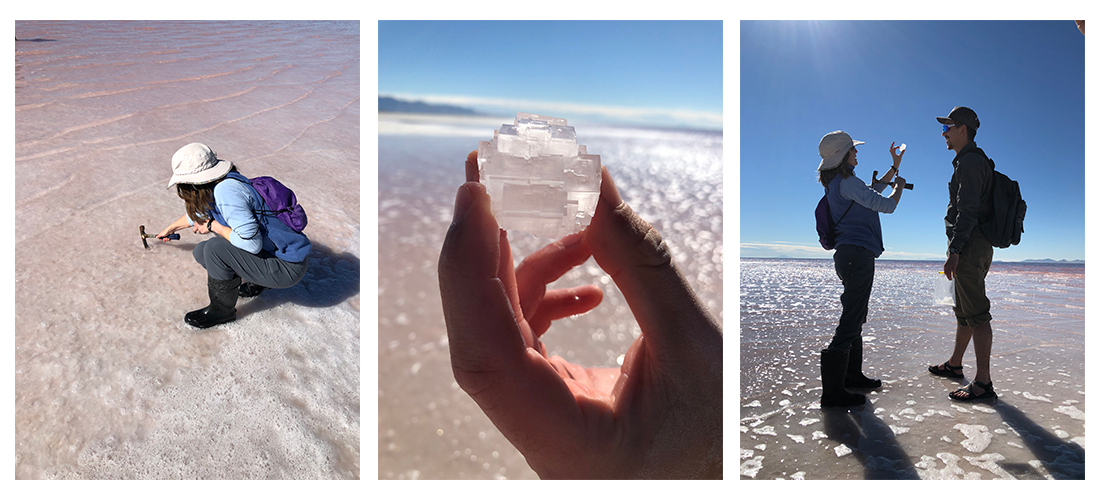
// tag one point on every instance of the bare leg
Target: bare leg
(962, 341)
(983, 346)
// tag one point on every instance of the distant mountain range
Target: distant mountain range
(391, 105)
(1027, 261)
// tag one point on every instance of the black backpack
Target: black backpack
(1006, 225)
(826, 230)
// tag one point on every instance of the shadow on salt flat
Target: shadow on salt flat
(873, 442)
(330, 279)
(1063, 460)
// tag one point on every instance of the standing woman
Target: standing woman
(855, 208)
(250, 243)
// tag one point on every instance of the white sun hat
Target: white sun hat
(833, 147)
(196, 163)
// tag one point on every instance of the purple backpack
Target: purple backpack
(826, 230)
(280, 201)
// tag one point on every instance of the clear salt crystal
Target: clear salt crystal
(539, 179)
(901, 149)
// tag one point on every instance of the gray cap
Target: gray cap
(963, 115)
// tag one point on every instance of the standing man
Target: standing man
(969, 254)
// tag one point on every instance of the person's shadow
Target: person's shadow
(871, 440)
(1063, 459)
(330, 279)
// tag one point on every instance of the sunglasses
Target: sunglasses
(947, 127)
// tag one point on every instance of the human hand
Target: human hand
(896, 155)
(950, 265)
(899, 182)
(201, 227)
(163, 235)
(658, 416)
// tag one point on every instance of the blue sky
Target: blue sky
(888, 81)
(661, 73)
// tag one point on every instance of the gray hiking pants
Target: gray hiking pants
(223, 261)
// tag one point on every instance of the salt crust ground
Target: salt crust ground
(912, 430)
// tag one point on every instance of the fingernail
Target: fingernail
(463, 201)
(571, 240)
(609, 193)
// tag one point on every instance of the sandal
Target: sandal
(947, 370)
(967, 393)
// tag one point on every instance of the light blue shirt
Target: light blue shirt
(237, 204)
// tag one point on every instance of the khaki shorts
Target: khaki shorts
(971, 304)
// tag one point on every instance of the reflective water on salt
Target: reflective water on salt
(428, 428)
(910, 428)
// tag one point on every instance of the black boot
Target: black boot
(834, 365)
(854, 377)
(223, 298)
(250, 290)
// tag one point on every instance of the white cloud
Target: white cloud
(508, 107)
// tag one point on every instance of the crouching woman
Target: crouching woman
(855, 208)
(252, 250)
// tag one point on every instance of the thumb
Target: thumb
(638, 260)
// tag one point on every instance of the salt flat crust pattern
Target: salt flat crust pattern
(109, 382)
(910, 429)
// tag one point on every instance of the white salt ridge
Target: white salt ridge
(539, 179)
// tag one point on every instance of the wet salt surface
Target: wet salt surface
(910, 428)
(109, 382)
(428, 428)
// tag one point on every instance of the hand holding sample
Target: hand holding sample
(658, 416)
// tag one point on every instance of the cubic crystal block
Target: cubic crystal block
(538, 179)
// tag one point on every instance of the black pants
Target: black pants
(855, 266)
(223, 261)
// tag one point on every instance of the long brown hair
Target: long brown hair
(844, 169)
(199, 198)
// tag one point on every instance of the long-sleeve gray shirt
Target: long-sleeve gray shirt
(970, 192)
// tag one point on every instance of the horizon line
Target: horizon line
(680, 117)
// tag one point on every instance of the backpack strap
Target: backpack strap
(845, 212)
(831, 224)
(263, 212)
(988, 160)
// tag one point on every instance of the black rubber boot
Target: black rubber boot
(834, 365)
(250, 290)
(854, 377)
(223, 299)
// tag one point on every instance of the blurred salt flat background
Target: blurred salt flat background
(911, 429)
(428, 428)
(109, 382)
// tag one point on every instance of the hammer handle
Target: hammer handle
(874, 179)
